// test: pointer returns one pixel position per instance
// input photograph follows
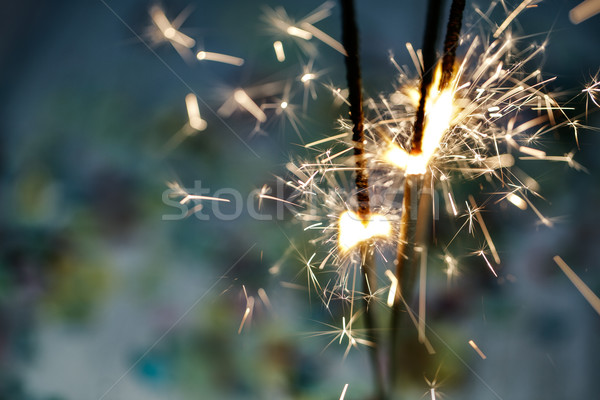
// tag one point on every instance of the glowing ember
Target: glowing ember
(352, 230)
(439, 112)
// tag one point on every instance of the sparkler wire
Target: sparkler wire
(429, 42)
(367, 259)
(405, 278)
(424, 214)
(355, 98)
(451, 41)
(406, 229)
(403, 253)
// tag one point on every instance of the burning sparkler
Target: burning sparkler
(475, 118)
(469, 114)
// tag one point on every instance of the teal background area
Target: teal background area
(101, 297)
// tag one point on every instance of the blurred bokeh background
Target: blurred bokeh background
(105, 293)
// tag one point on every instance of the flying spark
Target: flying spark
(476, 348)
(218, 57)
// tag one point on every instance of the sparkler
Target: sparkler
(436, 100)
(473, 123)
(463, 116)
(371, 225)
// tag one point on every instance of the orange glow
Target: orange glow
(439, 113)
(352, 230)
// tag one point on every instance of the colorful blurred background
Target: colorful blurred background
(106, 293)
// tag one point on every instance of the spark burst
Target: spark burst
(482, 118)
(477, 121)
(490, 112)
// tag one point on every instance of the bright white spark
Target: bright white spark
(279, 53)
(169, 32)
(533, 152)
(393, 287)
(476, 348)
(323, 37)
(242, 98)
(352, 230)
(337, 154)
(397, 156)
(307, 77)
(198, 197)
(584, 10)
(500, 161)
(451, 267)
(413, 55)
(218, 57)
(482, 254)
(579, 284)
(413, 318)
(266, 196)
(301, 33)
(439, 112)
(344, 392)
(517, 201)
(529, 124)
(193, 110)
(485, 231)
(327, 139)
(264, 298)
(593, 91)
(512, 16)
(248, 312)
(537, 212)
(454, 211)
